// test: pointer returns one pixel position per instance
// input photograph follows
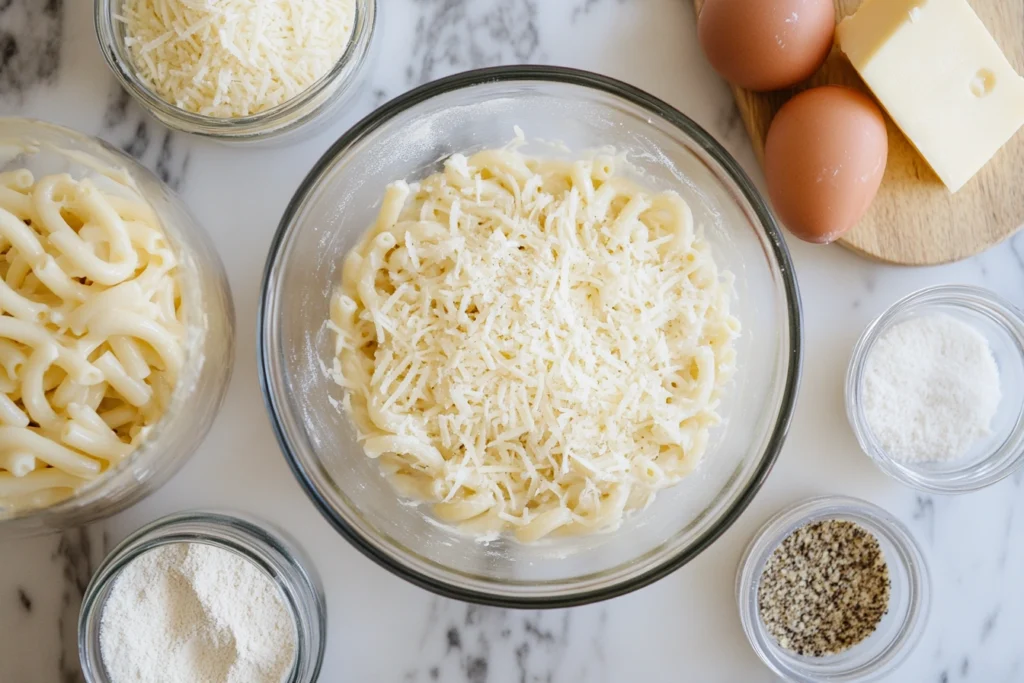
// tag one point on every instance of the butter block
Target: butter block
(941, 76)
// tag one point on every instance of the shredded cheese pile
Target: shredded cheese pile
(232, 58)
(533, 344)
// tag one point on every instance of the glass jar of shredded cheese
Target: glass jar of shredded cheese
(224, 85)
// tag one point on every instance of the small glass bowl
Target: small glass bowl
(900, 628)
(1002, 451)
(282, 561)
(317, 102)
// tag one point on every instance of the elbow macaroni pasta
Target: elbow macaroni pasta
(91, 332)
(532, 345)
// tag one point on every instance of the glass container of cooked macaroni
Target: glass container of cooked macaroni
(529, 337)
(116, 329)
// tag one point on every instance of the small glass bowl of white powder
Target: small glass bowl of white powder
(935, 389)
(203, 597)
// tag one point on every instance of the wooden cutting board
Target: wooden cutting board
(915, 220)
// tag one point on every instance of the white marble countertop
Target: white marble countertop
(384, 630)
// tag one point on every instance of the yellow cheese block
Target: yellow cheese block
(941, 76)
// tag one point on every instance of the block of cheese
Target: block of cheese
(941, 76)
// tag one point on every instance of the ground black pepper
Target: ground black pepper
(824, 589)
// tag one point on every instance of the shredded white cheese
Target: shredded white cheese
(534, 344)
(232, 58)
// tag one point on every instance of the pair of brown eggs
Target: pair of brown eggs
(827, 147)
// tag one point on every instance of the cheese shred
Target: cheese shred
(534, 345)
(234, 58)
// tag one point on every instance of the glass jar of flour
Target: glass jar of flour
(203, 596)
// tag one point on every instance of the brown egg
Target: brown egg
(824, 160)
(766, 44)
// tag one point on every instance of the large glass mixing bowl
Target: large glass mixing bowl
(407, 138)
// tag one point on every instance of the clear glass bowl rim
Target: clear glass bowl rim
(246, 127)
(794, 516)
(247, 533)
(709, 145)
(965, 296)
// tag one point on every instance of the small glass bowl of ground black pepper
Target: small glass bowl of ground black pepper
(833, 589)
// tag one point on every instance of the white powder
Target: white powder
(931, 389)
(196, 613)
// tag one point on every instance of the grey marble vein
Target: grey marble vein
(989, 625)
(24, 600)
(1007, 539)
(473, 644)
(41, 604)
(924, 512)
(455, 35)
(1017, 249)
(585, 7)
(127, 126)
(30, 42)
(77, 557)
(380, 96)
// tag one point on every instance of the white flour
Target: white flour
(931, 389)
(195, 613)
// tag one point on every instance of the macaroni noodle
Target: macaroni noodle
(532, 345)
(91, 332)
